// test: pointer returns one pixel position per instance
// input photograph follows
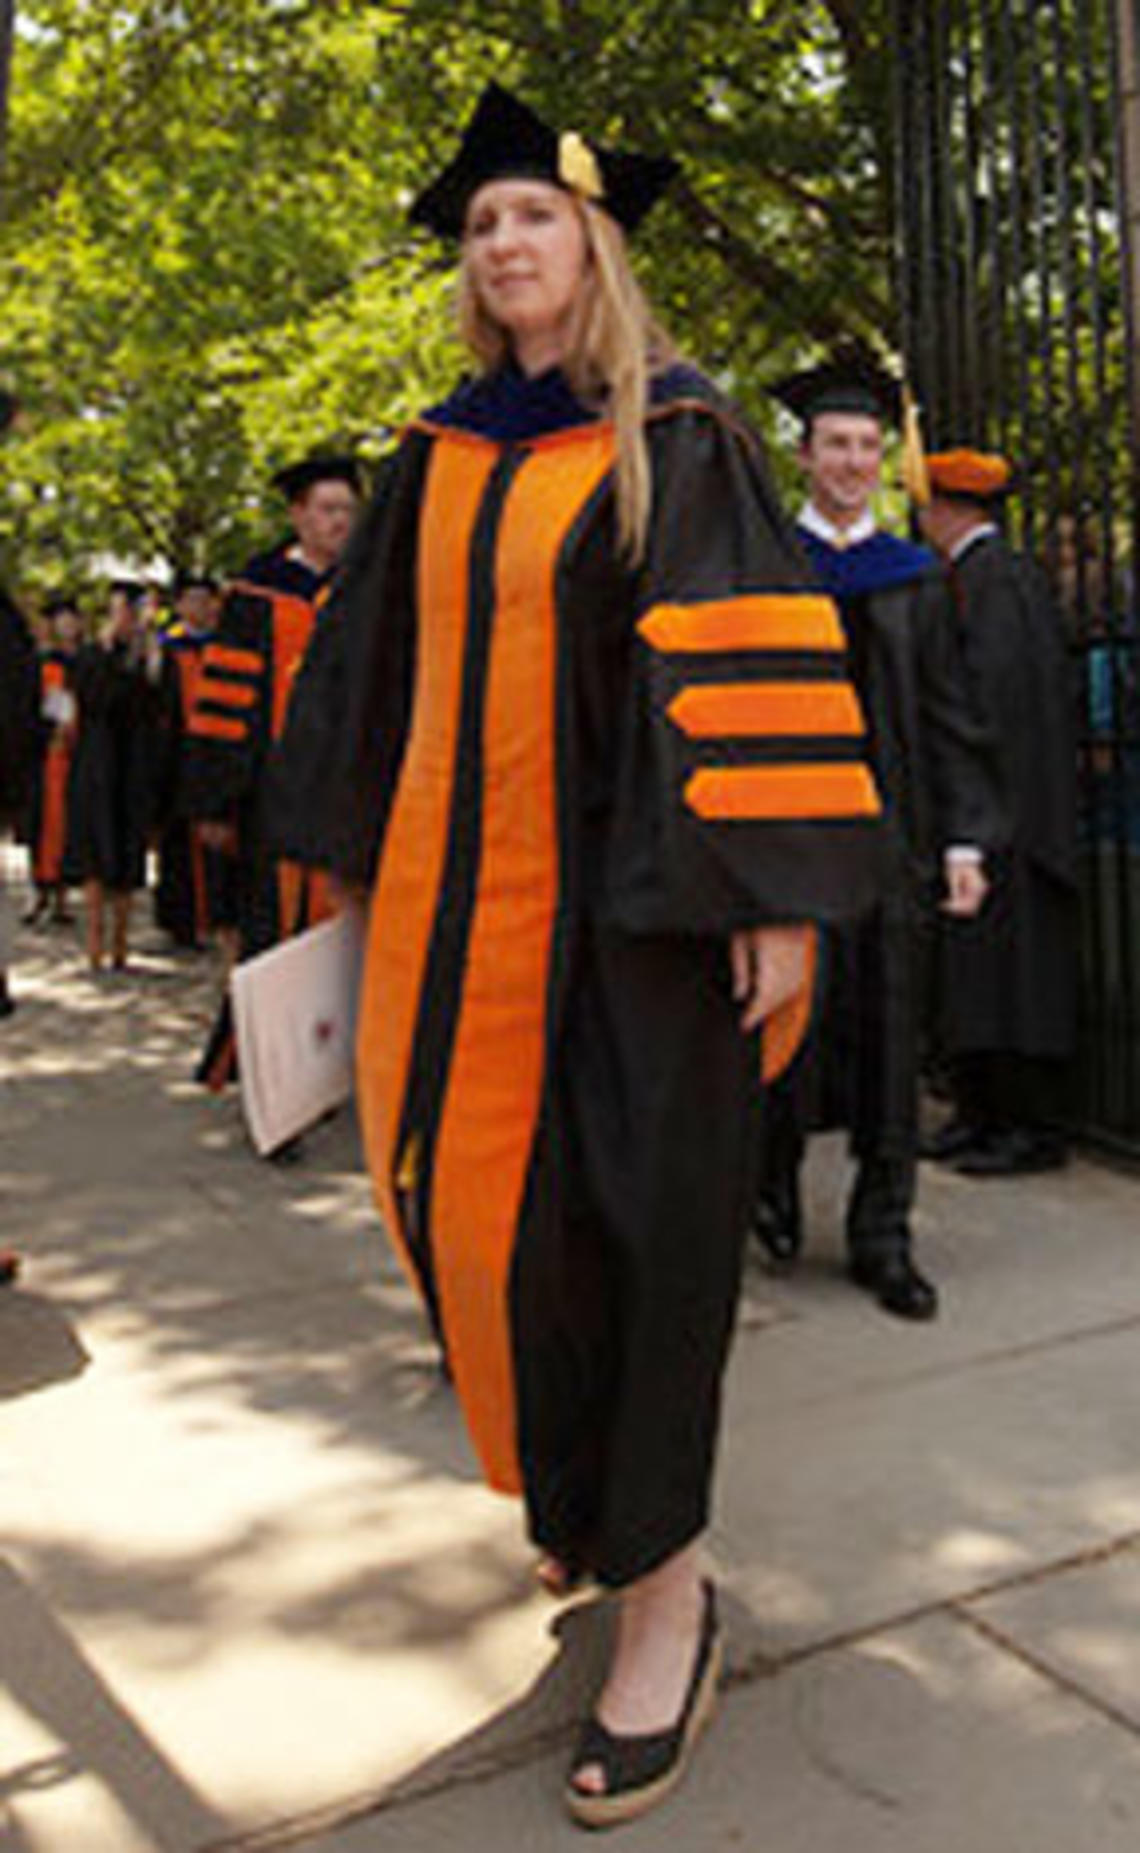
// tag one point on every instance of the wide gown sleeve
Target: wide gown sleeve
(744, 791)
(228, 727)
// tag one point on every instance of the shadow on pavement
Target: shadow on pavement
(51, 1681)
(38, 1346)
(545, 1718)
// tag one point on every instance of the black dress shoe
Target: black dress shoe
(950, 1141)
(1017, 1153)
(897, 1285)
(778, 1224)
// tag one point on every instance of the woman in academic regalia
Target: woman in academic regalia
(577, 723)
(111, 801)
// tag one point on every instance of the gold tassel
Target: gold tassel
(408, 1164)
(915, 475)
(578, 166)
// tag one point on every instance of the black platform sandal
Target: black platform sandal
(641, 1771)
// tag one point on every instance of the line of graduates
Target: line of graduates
(155, 736)
(970, 954)
(108, 724)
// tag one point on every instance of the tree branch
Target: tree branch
(765, 274)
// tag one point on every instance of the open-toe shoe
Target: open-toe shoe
(640, 1771)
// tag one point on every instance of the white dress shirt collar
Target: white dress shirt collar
(823, 529)
(982, 532)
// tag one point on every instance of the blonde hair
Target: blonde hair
(616, 344)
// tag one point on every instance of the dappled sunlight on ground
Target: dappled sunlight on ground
(254, 1574)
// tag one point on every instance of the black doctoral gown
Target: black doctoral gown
(112, 804)
(934, 763)
(192, 893)
(240, 700)
(567, 781)
(1007, 981)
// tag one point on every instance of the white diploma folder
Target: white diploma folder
(295, 1023)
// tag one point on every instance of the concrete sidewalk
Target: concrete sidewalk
(252, 1594)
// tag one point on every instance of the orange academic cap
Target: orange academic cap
(972, 475)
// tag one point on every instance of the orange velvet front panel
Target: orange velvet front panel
(411, 869)
(490, 1115)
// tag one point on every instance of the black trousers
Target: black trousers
(626, 1275)
(859, 1073)
(882, 1195)
(997, 1090)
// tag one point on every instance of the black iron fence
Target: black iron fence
(1015, 173)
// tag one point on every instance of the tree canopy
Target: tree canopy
(205, 263)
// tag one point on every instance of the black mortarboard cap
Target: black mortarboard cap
(296, 478)
(60, 601)
(130, 589)
(849, 380)
(191, 582)
(506, 140)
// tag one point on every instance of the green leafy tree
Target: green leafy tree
(205, 261)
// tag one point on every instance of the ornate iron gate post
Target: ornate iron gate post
(1017, 188)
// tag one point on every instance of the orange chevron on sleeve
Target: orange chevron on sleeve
(217, 727)
(755, 621)
(228, 657)
(714, 710)
(227, 694)
(770, 794)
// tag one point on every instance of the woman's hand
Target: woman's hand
(769, 965)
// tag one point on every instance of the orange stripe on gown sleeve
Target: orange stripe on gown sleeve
(225, 656)
(717, 709)
(231, 694)
(495, 1083)
(217, 727)
(771, 793)
(753, 621)
(402, 913)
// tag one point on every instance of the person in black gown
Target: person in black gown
(933, 763)
(1006, 982)
(578, 721)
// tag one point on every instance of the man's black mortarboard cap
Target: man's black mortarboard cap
(60, 602)
(130, 589)
(194, 582)
(296, 478)
(506, 140)
(850, 380)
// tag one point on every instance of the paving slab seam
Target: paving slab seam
(765, 1665)
(409, 1791)
(977, 1360)
(1064, 1683)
